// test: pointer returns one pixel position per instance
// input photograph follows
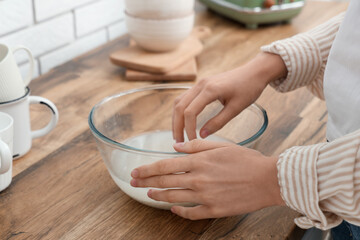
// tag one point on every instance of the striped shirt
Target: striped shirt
(320, 181)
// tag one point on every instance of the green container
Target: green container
(256, 3)
(251, 12)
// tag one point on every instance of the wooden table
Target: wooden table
(62, 190)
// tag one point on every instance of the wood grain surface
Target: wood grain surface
(61, 189)
(134, 57)
(185, 72)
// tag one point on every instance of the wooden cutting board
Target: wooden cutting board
(134, 57)
(185, 72)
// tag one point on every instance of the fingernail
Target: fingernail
(173, 210)
(135, 173)
(149, 193)
(204, 133)
(133, 183)
(179, 145)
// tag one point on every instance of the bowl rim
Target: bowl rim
(118, 145)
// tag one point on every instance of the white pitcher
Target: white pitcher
(12, 85)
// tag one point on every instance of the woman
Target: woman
(321, 181)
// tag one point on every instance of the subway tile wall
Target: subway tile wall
(58, 30)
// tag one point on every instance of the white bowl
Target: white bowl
(159, 9)
(159, 35)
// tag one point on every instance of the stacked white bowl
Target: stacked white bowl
(159, 25)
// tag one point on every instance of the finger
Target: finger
(194, 108)
(192, 213)
(173, 195)
(199, 145)
(178, 113)
(219, 121)
(162, 167)
(163, 181)
(176, 121)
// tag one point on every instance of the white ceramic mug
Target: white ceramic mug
(159, 35)
(12, 85)
(6, 145)
(19, 109)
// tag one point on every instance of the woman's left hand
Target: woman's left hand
(223, 179)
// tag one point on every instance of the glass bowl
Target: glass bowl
(133, 128)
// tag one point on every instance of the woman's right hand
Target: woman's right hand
(235, 89)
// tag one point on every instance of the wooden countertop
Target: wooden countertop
(62, 190)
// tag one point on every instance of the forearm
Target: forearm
(271, 183)
(260, 71)
(267, 67)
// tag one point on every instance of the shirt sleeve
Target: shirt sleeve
(305, 56)
(322, 182)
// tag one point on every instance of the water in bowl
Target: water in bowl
(123, 162)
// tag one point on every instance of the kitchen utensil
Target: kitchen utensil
(252, 12)
(159, 35)
(19, 110)
(159, 9)
(133, 128)
(136, 58)
(185, 72)
(6, 145)
(12, 85)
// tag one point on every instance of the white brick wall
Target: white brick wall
(89, 18)
(58, 30)
(117, 29)
(43, 37)
(13, 17)
(49, 8)
(73, 50)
